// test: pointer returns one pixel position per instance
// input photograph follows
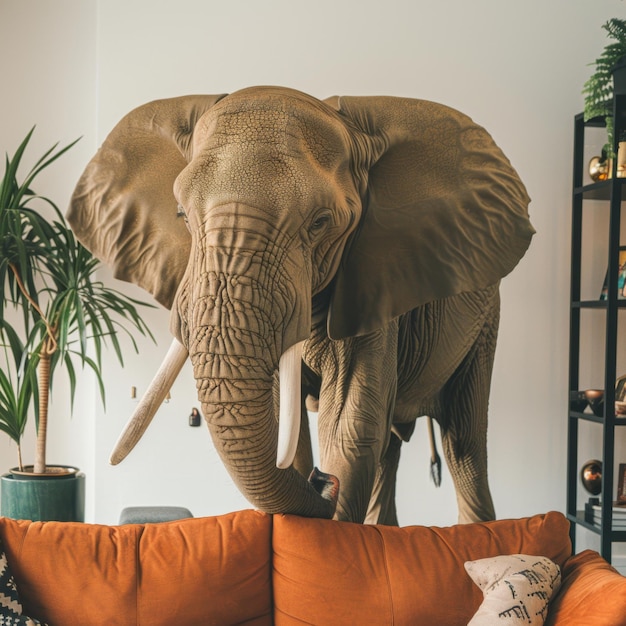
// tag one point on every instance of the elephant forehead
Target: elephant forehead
(268, 159)
(290, 120)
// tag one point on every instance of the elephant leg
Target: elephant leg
(464, 426)
(382, 506)
(357, 400)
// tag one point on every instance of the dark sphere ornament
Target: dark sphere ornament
(591, 476)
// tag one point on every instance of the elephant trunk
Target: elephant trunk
(241, 419)
(241, 315)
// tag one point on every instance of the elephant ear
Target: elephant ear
(123, 208)
(444, 212)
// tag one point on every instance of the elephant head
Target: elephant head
(237, 211)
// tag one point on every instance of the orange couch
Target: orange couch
(251, 568)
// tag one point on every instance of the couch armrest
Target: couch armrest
(592, 593)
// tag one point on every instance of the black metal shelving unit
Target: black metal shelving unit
(613, 191)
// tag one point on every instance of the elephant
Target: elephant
(349, 248)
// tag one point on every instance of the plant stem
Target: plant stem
(20, 284)
(47, 349)
(43, 372)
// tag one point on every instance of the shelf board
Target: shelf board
(588, 417)
(579, 518)
(597, 122)
(596, 304)
(598, 419)
(601, 190)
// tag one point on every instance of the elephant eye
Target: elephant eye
(320, 223)
(180, 212)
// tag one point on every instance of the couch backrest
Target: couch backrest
(345, 574)
(195, 572)
(237, 569)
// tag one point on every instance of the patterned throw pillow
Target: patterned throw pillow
(516, 589)
(10, 606)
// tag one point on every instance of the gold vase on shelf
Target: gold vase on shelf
(601, 167)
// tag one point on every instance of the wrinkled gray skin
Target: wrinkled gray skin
(376, 229)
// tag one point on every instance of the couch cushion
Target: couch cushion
(327, 572)
(592, 592)
(212, 570)
(516, 587)
(10, 605)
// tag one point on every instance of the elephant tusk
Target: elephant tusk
(289, 378)
(151, 401)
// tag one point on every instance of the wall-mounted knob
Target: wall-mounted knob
(194, 417)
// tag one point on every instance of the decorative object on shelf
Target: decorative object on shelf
(48, 281)
(621, 159)
(620, 388)
(620, 396)
(577, 401)
(600, 167)
(621, 278)
(591, 479)
(589, 510)
(621, 484)
(595, 398)
(609, 68)
(618, 512)
(591, 476)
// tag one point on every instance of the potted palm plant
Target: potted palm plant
(608, 78)
(65, 316)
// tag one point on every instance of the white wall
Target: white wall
(47, 64)
(517, 68)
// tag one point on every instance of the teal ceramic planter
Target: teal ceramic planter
(42, 498)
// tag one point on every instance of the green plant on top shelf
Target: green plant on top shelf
(598, 90)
